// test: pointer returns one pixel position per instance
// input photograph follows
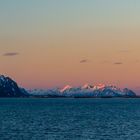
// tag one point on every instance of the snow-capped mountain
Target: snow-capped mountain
(100, 90)
(9, 88)
(87, 86)
(66, 88)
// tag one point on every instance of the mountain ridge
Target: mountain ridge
(86, 91)
(9, 88)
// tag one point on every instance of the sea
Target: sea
(69, 119)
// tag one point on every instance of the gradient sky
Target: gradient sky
(50, 43)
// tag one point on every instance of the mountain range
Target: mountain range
(87, 90)
(9, 88)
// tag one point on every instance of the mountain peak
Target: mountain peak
(87, 86)
(100, 86)
(9, 88)
(67, 87)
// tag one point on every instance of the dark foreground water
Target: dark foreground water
(70, 119)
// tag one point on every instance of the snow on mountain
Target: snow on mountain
(67, 87)
(9, 88)
(45, 92)
(100, 86)
(100, 90)
(87, 86)
(87, 90)
(128, 92)
(38, 91)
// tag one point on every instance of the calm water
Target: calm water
(70, 119)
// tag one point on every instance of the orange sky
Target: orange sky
(71, 46)
(55, 63)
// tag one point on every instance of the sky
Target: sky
(52, 43)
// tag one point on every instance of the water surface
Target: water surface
(69, 119)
